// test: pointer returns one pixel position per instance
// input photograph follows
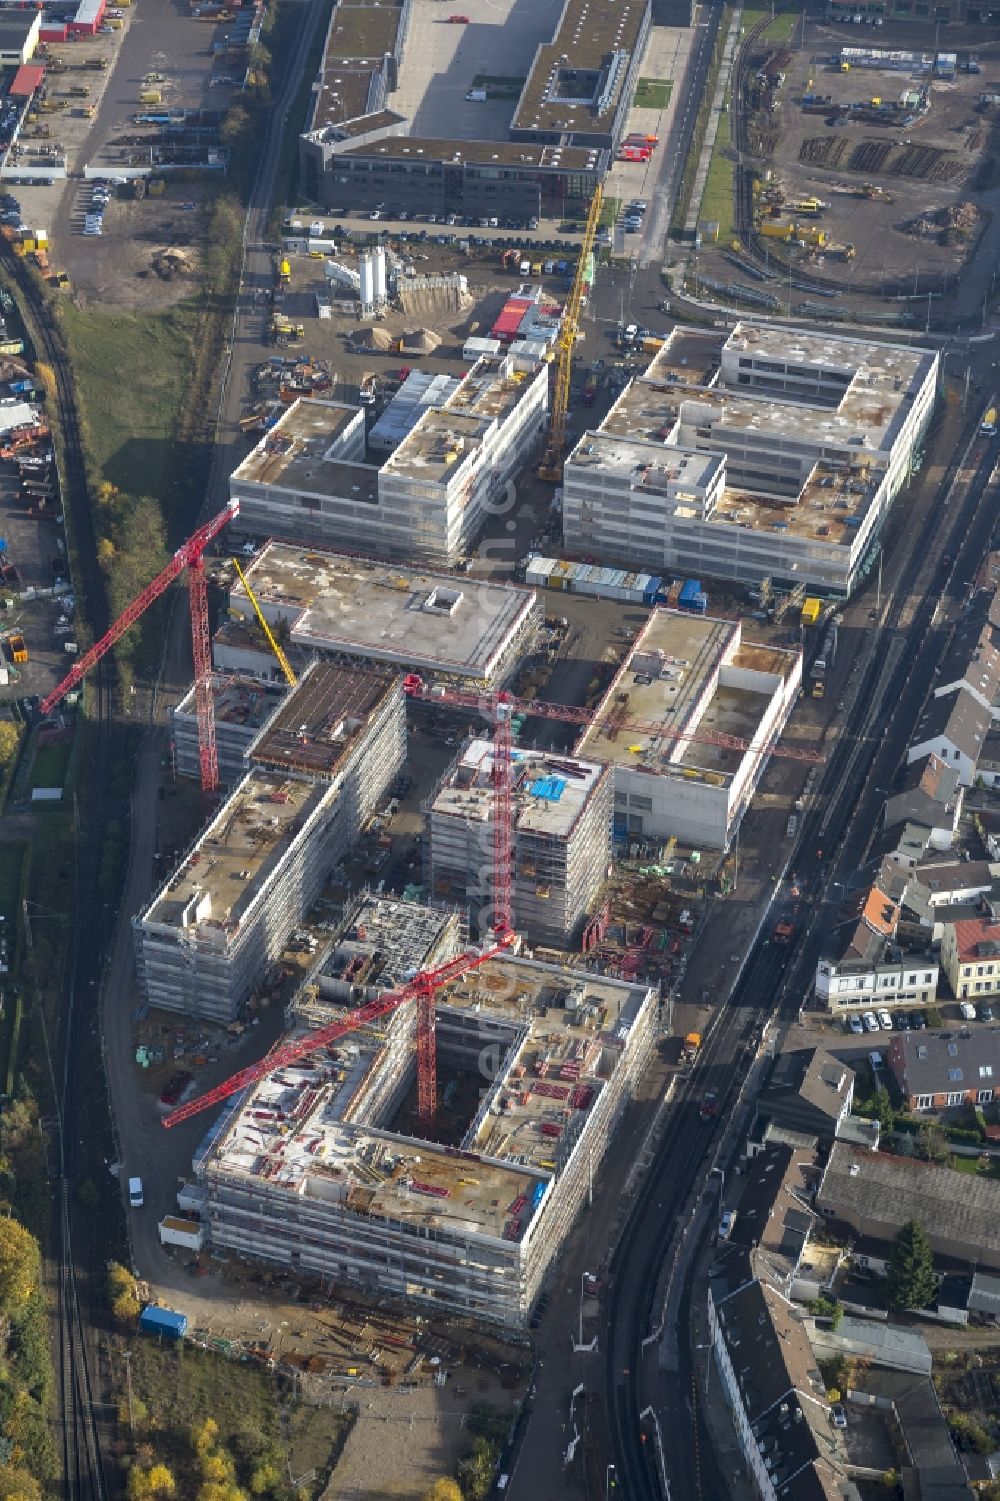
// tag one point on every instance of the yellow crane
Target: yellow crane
(551, 467)
(283, 661)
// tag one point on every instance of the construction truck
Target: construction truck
(783, 933)
(826, 657)
(691, 1047)
(811, 610)
(988, 426)
(777, 229)
(18, 650)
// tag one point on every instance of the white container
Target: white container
(177, 1232)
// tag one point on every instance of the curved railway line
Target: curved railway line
(771, 984)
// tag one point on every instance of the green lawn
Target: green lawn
(131, 372)
(717, 201)
(50, 765)
(180, 1386)
(780, 29)
(963, 1164)
(653, 93)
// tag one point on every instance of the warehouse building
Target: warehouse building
(316, 1171)
(366, 612)
(689, 684)
(241, 706)
(768, 453)
(562, 839)
(318, 769)
(306, 480)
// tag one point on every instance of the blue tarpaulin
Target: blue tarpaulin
(548, 788)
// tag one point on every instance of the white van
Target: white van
(135, 1197)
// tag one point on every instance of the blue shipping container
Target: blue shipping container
(690, 590)
(156, 1320)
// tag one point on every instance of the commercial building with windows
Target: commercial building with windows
(870, 968)
(358, 153)
(562, 838)
(687, 724)
(768, 453)
(305, 481)
(318, 769)
(369, 613)
(322, 1169)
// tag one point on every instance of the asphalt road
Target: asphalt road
(151, 1153)
(887, 700)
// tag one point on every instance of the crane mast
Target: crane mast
(551, 467)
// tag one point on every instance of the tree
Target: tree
(882, 1108)
(18, 1485)
(932, 1144)
(444, 1489)
(10, 739)
(910, 1280)
(475, 1471)
(125, 1307)
(20, 1267)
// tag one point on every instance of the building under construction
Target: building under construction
(321, 1170)
(562, 838)
(318, 769)
(242, 705)
(369, 612)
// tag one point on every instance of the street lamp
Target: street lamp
(708, 1364)
(609, 1484)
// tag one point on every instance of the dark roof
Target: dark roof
(320, 719)
(773, 1211)
(887, 1191)
(957, 718)
(935, 1062)
(946, 1483)
(944, 876)
(985, 1294)
(15, 28)
(972, 657)
(812, 1074)
(925, 782)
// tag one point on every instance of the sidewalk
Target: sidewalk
(708, 145)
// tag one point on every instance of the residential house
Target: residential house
(930, 1468)
(929, 795)
(989, 760)
(774, 1213)
(971, 661)
(970, 955)
(776, 1394)
(954, 728)
(808, 1090)
(935, 1070)
(870, 968)
(873, 1194)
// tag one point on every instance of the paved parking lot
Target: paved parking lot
(441, 61)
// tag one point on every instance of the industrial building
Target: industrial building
(367, 612)
(687, 676)
(306, 480)
(765, 453)
(562, 838)
(418, 391)
(357, 152)
(318, 769)
(241, 706)
(321, 1170)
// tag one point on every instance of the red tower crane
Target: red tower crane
(189, 555)
(423, 987)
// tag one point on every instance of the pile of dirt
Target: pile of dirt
(172, 261)
(420, 340)
(375, 339)
(433, 303)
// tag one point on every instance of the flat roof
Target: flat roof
(651, 466)
(383, 943)
(389, 613)
(549, 792)
(321, 719)
(560, 1036)
(484, 153)
(299, 452)
(589, 52)
(235, 856)
(343, 93)
(446, 436)
(361, 31)
(237, 699)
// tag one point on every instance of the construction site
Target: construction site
(562, 814)
(364, 612)
(880, 166)
(314, 1171)
(317, 771)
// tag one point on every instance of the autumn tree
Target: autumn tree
(444, 1489)
(18, 1485)
(20, 1267)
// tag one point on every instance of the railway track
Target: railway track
(81, 1441)
(773, 980)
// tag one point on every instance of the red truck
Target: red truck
(590, 390)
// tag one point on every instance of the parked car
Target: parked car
(838, 1416)
(986, 1013)
(875, 1059)
(918, 1021)
(885, 1021)
(726, 1224)
(855, 1024)
(967, 1010)
(710, 1104)
(870, 1021)
(903, 1022)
